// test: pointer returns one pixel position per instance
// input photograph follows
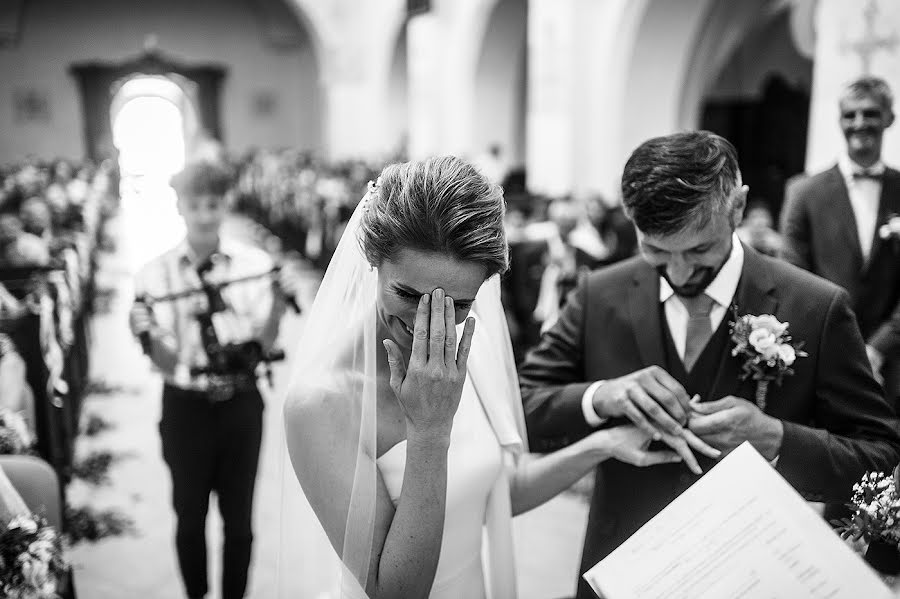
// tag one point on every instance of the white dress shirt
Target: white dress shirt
(721, 290)
(865, 195)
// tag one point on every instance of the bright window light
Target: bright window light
(148, 131)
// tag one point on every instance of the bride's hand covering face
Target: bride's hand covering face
(429, 387)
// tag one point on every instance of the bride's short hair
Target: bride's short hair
(440, 204)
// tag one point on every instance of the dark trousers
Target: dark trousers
(212, 447)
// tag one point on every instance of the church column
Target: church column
(852, 38)
(578, 56)
(424, 34)
(443, 47)
(357, 46)
(355, 98)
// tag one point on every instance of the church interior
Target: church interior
(103, 101)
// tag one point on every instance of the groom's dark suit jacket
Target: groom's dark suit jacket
(820, 236)
(837, 424)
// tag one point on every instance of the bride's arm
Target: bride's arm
(538, 478)
(406, 542)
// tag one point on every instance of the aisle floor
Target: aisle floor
(143, 566)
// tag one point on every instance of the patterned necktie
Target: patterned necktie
(699, 327)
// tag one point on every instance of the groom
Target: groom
(638, 340)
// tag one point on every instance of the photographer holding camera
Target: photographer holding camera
(218, 323)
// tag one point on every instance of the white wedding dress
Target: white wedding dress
(473, 466)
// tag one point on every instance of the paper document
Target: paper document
(740, 532)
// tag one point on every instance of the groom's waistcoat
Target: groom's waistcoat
(656, 487)
(702, 378)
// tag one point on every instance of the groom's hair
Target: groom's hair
(678, 182)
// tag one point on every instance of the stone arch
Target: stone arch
(677, 50)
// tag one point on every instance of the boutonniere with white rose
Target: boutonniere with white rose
(890, 229)
(768, 353)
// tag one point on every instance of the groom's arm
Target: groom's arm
(552, 379)
(854, 429)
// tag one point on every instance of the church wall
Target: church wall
(226, 32)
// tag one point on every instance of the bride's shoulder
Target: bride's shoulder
(333, 396)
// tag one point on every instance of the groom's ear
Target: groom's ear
(738, 204)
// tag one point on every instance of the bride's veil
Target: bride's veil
(333, 377)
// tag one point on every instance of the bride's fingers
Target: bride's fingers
(682, 448)
(395, 363)
(437, 333)
(420, 331)
(700, 445)
(651, 458)
(450, 328)
(465, 343)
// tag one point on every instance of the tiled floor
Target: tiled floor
(548, 539)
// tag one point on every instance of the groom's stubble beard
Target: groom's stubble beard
(708, 274)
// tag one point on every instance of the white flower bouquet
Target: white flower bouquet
(875, 508)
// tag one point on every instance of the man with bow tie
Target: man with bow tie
(833, 225)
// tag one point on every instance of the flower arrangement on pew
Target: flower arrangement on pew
(31, 553)
(875, 519)
(31, 560)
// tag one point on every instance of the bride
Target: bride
(404, 424)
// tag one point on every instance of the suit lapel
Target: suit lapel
(888, 206)
(840, 215)
(755, 296)
(643, 309)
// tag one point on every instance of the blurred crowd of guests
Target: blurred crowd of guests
(302, 199)
(50, 221)
(306, 202)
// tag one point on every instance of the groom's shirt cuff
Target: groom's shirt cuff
(587, 406)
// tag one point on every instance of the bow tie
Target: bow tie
(871, 175)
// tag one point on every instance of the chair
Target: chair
(37, 484)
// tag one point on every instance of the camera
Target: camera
(236, 359)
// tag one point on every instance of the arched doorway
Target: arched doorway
(153, 123)
(500, 84)
(100, 82)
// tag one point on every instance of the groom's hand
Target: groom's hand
(728, 422)
(651, 398)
